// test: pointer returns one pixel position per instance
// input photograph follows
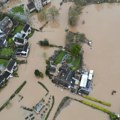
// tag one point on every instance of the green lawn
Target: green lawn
(18, 29)
(76, 63)
(3, 62)
(18, 9)
(6, 52)
(59, 57)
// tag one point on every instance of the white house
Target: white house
(12, 66)
(26, 30)
(23, 51)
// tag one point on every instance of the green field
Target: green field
(3, 62)
(59, 57)
(18, 29)
(76, 63)
(6, 52)
(18, 9)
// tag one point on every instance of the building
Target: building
(38, 107)
(23, 51)
(11, 66)
(6, 25)
(26, 30)
(31, 6)
(4, 78)
(37, 5)
(85, 83)
(20, 41)
(64, 77)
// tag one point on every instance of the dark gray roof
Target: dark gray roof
(6, 74)
(30, 5)
(26, 27)
(11, 64)
(19, 40)
(26, 47)
(4, 24)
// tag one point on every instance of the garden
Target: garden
(18, 9)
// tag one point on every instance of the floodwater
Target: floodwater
(102, 24)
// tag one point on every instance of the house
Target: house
(26, 30)
(85, 84)
(4, 77)
(6, 25)
(31, 6)
(38, 107)
(20, 41)
(64, 77)
(23, 51)
(45, 2)
(37, 4)
(11, 66)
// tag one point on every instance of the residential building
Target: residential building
(85, 84)
(26, 30)
(20, 41)
(23, 51)
(64, 77)
(6, 25)
(37, 4)
(11, 66)
(4, 78)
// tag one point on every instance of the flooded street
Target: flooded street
(102, 26)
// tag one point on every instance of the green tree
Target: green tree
(37, 73)
(53, 13)
(75, 49)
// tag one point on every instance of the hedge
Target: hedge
(13, 95)
(96, 100)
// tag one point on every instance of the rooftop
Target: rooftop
(26, 27)
(11, 64)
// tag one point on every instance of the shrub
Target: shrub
(38, 73)
(45, 42)
(95, 100)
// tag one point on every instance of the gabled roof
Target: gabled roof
(26, 27)
(4, 24)
(26, 47)
(19, 40)
(6, 74)
(31, 6)
(1, 78)
(11, 64)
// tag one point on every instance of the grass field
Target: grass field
(59, 57)
(3, 62)
(76, 63)
(18, 29)
(6, 52)
(18, 9)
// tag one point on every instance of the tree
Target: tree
(53, 12)
(73, 16)
(38, 73)
(42, 16)
(45, 42)
(75, 49)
